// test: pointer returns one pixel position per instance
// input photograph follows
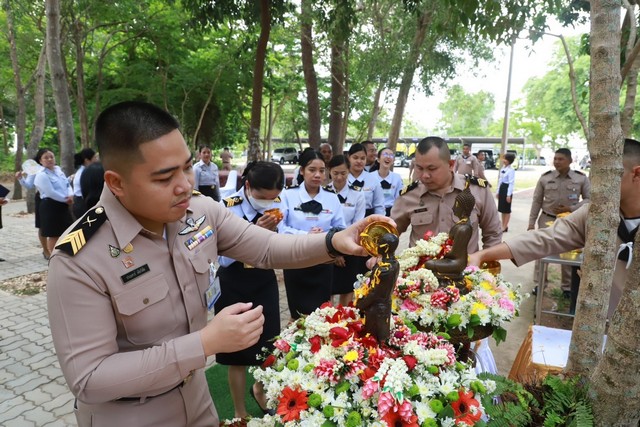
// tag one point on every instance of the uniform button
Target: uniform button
(145, 301)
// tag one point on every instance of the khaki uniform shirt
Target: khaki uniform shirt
(426, 211)
(469, 165)
(565, 234)
(553, 190)
(126, 310)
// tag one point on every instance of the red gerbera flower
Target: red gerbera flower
(316, 343)
(292, 402)
(462, 408)
(394, 419)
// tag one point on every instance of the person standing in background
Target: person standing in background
(366, 181)
(309, 208)
(226, 157)
(562, 190)
(3, 201)
(327, 154)
(466, 163)
(506, 182)
(353, 208)
(371, 164)
(92, 183)
(481, 156)
(206, 176)
(57, 197)
(262, 183)
(390, 182)
(81, 160)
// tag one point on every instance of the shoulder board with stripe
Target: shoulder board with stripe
(294, 185)
(329, 189)
(579, 172)
(476, 181)
(196, 193)
(409, 187)
(232, 201)
(547, 173)
(355, 187)
(85, 228)
(277, 200)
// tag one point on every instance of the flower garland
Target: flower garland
(325, 371)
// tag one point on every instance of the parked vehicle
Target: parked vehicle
(285, 154)
(406, 161)
(585, 163)
(489, 159)
(397, 161)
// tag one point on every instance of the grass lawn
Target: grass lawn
(219, 389)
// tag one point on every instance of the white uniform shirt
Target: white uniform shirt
(244, 210)
(395, 184)
(507, 176)
(77, 188)
(353, 204)
(206, 174)
(371, 189)
(53, 184)
(295, 221)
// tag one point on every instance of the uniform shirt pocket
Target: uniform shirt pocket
(421, 218)
(201, 265)
(146, 311)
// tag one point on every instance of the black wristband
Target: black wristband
(333, 252)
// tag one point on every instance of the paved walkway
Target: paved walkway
(32, 389)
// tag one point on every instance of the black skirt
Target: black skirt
(55, 217)
(37, 200)
(308, 288)
(210, 191)
(240, 284)
(503, 205)
(344, 277)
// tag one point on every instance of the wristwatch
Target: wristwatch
(333, 252)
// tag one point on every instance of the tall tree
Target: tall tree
(64, 114)
(466, 114)
(308, 68)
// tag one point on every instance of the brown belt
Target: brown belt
(549, 215)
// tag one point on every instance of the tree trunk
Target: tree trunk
(254, 152)
(407, 78)
(80, 97)
(310, 77)
(21, 114)
(60, 88)
(626, 120)
(5, 134)
(336, 114)
(204, 110)
(375, 111)
(605, 145)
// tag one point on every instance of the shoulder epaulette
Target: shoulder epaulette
(329, 189)
(547, 173)
(409, 187)
(277, 200)
(476, 181)
(196, 193)
(232, 201)
(85, 228)
(355, 187)
(579, 172)
(293, 185)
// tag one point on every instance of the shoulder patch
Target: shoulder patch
(329, 189)
(293, 185)
(476, 181)
(547, 173)
(355, 187)
(232, 201)
(579, 172)
(85, 228)
(277, 200)
(409, 187)
(196, 193)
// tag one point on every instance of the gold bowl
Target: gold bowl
(372, 233)
(571, 255)
(492, 267)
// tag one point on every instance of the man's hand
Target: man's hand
(531, 227)
(234, 328)
(339, 261)
(347, 241)
(475, 259)
(561, 209)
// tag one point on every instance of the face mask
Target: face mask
(260, 205)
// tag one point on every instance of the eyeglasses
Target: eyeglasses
(389, 155)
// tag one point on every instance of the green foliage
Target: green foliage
(554, 402)
(466, 114)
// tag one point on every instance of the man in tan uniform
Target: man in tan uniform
(226, 157)
(467, 163)
(559, 191)
(427, 203)
(131, 281)
(570, 232)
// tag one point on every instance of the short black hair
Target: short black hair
(91, 183)
(631, 153)
(358, 147)
(510, 157)
(123, 127)
(565, 152)
(84, 154)
(309, 155)
(339, 160)
(40, 153)
(429, 142)
(264, 175)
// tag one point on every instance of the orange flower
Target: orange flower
(393, 419)
(462, 408)
(292, 402)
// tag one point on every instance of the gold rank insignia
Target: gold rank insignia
(232, 201)
(84, 229)
(196, 193)
(277, 200)
(476, 181)
(329, 189)
(409, 187)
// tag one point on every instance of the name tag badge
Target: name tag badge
(468, 162)
(213, 291)
(573, 197)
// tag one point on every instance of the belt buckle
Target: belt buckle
(188, 378)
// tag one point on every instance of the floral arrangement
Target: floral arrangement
(325, 371)
(487, 300)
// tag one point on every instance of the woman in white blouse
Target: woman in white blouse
(390, 182)
(506, 181)
(366, 181)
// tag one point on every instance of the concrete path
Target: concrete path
(32, 389)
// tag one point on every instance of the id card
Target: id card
(213, 291)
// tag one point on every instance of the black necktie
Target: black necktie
(342, 199)
(358, 183)
(311, 206)
(385, 185)
(626, 237)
